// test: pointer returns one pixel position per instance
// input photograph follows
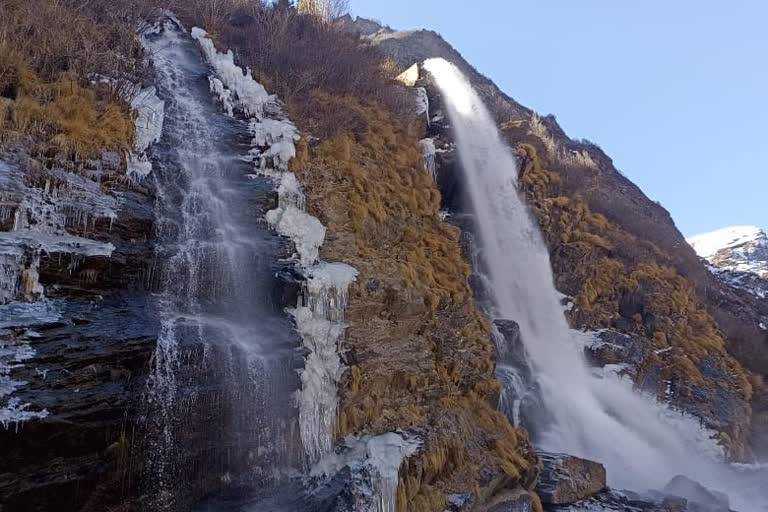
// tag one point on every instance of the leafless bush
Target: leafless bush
(324, 10)
(295, 54)
(571, 157)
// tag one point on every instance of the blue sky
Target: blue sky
(675, 91)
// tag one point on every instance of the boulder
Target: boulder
(699, 497)
(566, 479)
(674, 504)
(518, 500)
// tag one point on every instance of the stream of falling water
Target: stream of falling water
(641, 442)
(223, 374)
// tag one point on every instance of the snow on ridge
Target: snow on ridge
(707, 245)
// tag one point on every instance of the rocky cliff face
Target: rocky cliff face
(418, 350)
(691, 339)
(78, 326)
(76, 334)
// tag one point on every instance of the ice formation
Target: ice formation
(320, 321)
(378, 457)
(319, 315)
(429, 152)
(236, 88)
(52, 219)
(12, 356)
(422, 102)
(150, 116)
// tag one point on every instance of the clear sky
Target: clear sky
(675, 91)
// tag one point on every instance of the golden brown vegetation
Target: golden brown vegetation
(619, 272)
(423, 356)
(295, 55)
(65, 68)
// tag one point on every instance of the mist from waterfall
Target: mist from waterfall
(642, 443)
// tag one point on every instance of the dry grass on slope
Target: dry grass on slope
(64, 68)
(614, 274)
(419, 351)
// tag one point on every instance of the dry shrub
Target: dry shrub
(66, 68)
(295, 55)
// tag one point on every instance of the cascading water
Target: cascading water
(642, 443)
(220, 391)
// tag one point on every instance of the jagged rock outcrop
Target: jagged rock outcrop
(566, 479)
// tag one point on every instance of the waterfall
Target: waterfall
(220, 392)
(641, 442)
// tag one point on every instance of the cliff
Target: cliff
(696, 341)
(108, 405)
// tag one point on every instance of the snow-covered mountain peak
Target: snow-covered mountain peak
(734, 237)
(738, 254)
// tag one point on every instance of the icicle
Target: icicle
(429, 151)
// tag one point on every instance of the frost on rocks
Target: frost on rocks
(422, 102)
(429, 152)
(52, 218)
(12, 355)
(150, 116)
(377, 459)
(319, 315)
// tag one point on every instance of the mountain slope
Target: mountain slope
(620, 256)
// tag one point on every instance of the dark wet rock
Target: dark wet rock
(704, 499)
(674, 504)
(518, 500)
(567, 479)
(88, 376)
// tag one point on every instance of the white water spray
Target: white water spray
(642, 443)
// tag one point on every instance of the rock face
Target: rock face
(79, 325)
(418, 350)
(566, 479)
(698, 496)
